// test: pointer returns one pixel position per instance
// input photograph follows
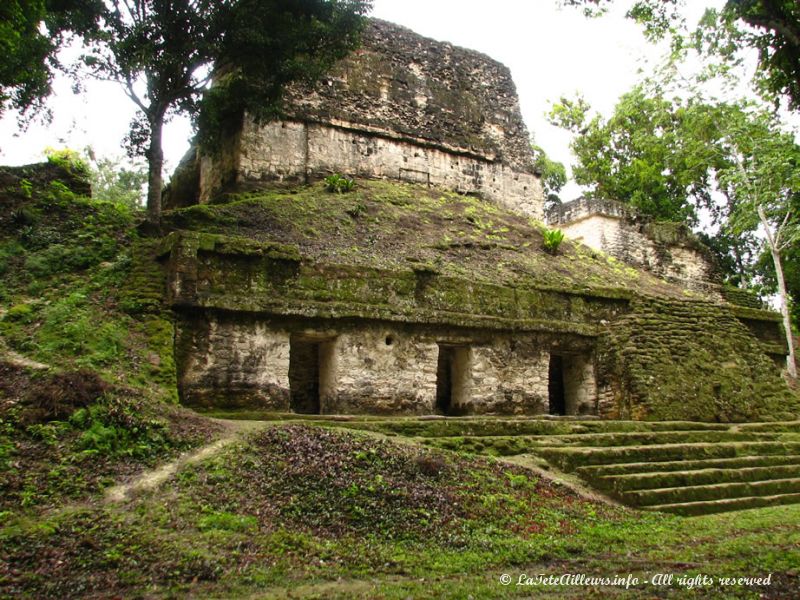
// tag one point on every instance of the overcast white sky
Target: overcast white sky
(551, 52)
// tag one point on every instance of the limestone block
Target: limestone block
(225, 363)
(383, 370)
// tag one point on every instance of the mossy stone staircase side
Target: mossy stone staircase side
(685, 468)
(738, 469)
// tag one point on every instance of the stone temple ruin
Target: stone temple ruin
(404, 108)
(481, 319)
(669, 250)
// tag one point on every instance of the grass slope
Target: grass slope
(299, 511)
(399, 226)
(87, 378)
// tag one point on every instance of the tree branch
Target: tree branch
(775, 21)
(129, 91)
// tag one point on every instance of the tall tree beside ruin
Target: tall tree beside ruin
(763, 177)
(648, 153)
(165, 53)
(672, 157)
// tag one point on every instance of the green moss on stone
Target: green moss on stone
(692, 360)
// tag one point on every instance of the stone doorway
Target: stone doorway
(453, 378)
(571, 384)
(311, 372)
(555, 386)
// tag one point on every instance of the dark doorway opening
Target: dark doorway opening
(452, 379)
(311, 374)
(304, 376)
(555, 386)
(444, 380)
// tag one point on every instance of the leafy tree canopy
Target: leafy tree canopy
(31, 32)
(166, 53)
(672, 157)
(553, 173)
(117, 181)
(771, 27)
(651, 153)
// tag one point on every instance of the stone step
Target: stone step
(728, 504)
(719, 491)
(779, 426)
(660, 437)
(594, 471)
(494, 427)
(609, 445)
(674, 479)
(572, 458)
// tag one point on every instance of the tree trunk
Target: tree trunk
(791, 366)
(737, 258)
(155, 163)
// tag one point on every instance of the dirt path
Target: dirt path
(8, 355)
(152, 479)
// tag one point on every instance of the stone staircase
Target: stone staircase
(690, 479)
(682, 468)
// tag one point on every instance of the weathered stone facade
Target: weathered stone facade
(668, 250)
(418, 300)
(372, 368)
(403, 107)
(261, 327)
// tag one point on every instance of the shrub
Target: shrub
(551, 240)
(226, 521)
(59, 395)
(356, 211)
(120, 424)
(67, 159)
(24, 215)
(430, 465)
(73, 327)
(26, 187)
(339, 184)
(22, 313)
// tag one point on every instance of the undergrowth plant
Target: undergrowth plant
(339, 184)
(551, 240)
(67, 159)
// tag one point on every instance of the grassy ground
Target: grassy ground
(300, 511)
(87, 378)
(87, 390)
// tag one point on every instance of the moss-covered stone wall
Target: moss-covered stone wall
(694, 360)
(409, 85)
(402, 107)
(669, 250)
(235, 274)
(625, 353)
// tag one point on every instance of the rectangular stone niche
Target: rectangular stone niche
(312, 373)
(453, 379)
(572, 389)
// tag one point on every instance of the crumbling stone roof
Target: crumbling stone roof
(403, 84)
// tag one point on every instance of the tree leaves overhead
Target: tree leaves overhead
(165, 53)
(774, 30)
(771, 27)
(31, 32)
